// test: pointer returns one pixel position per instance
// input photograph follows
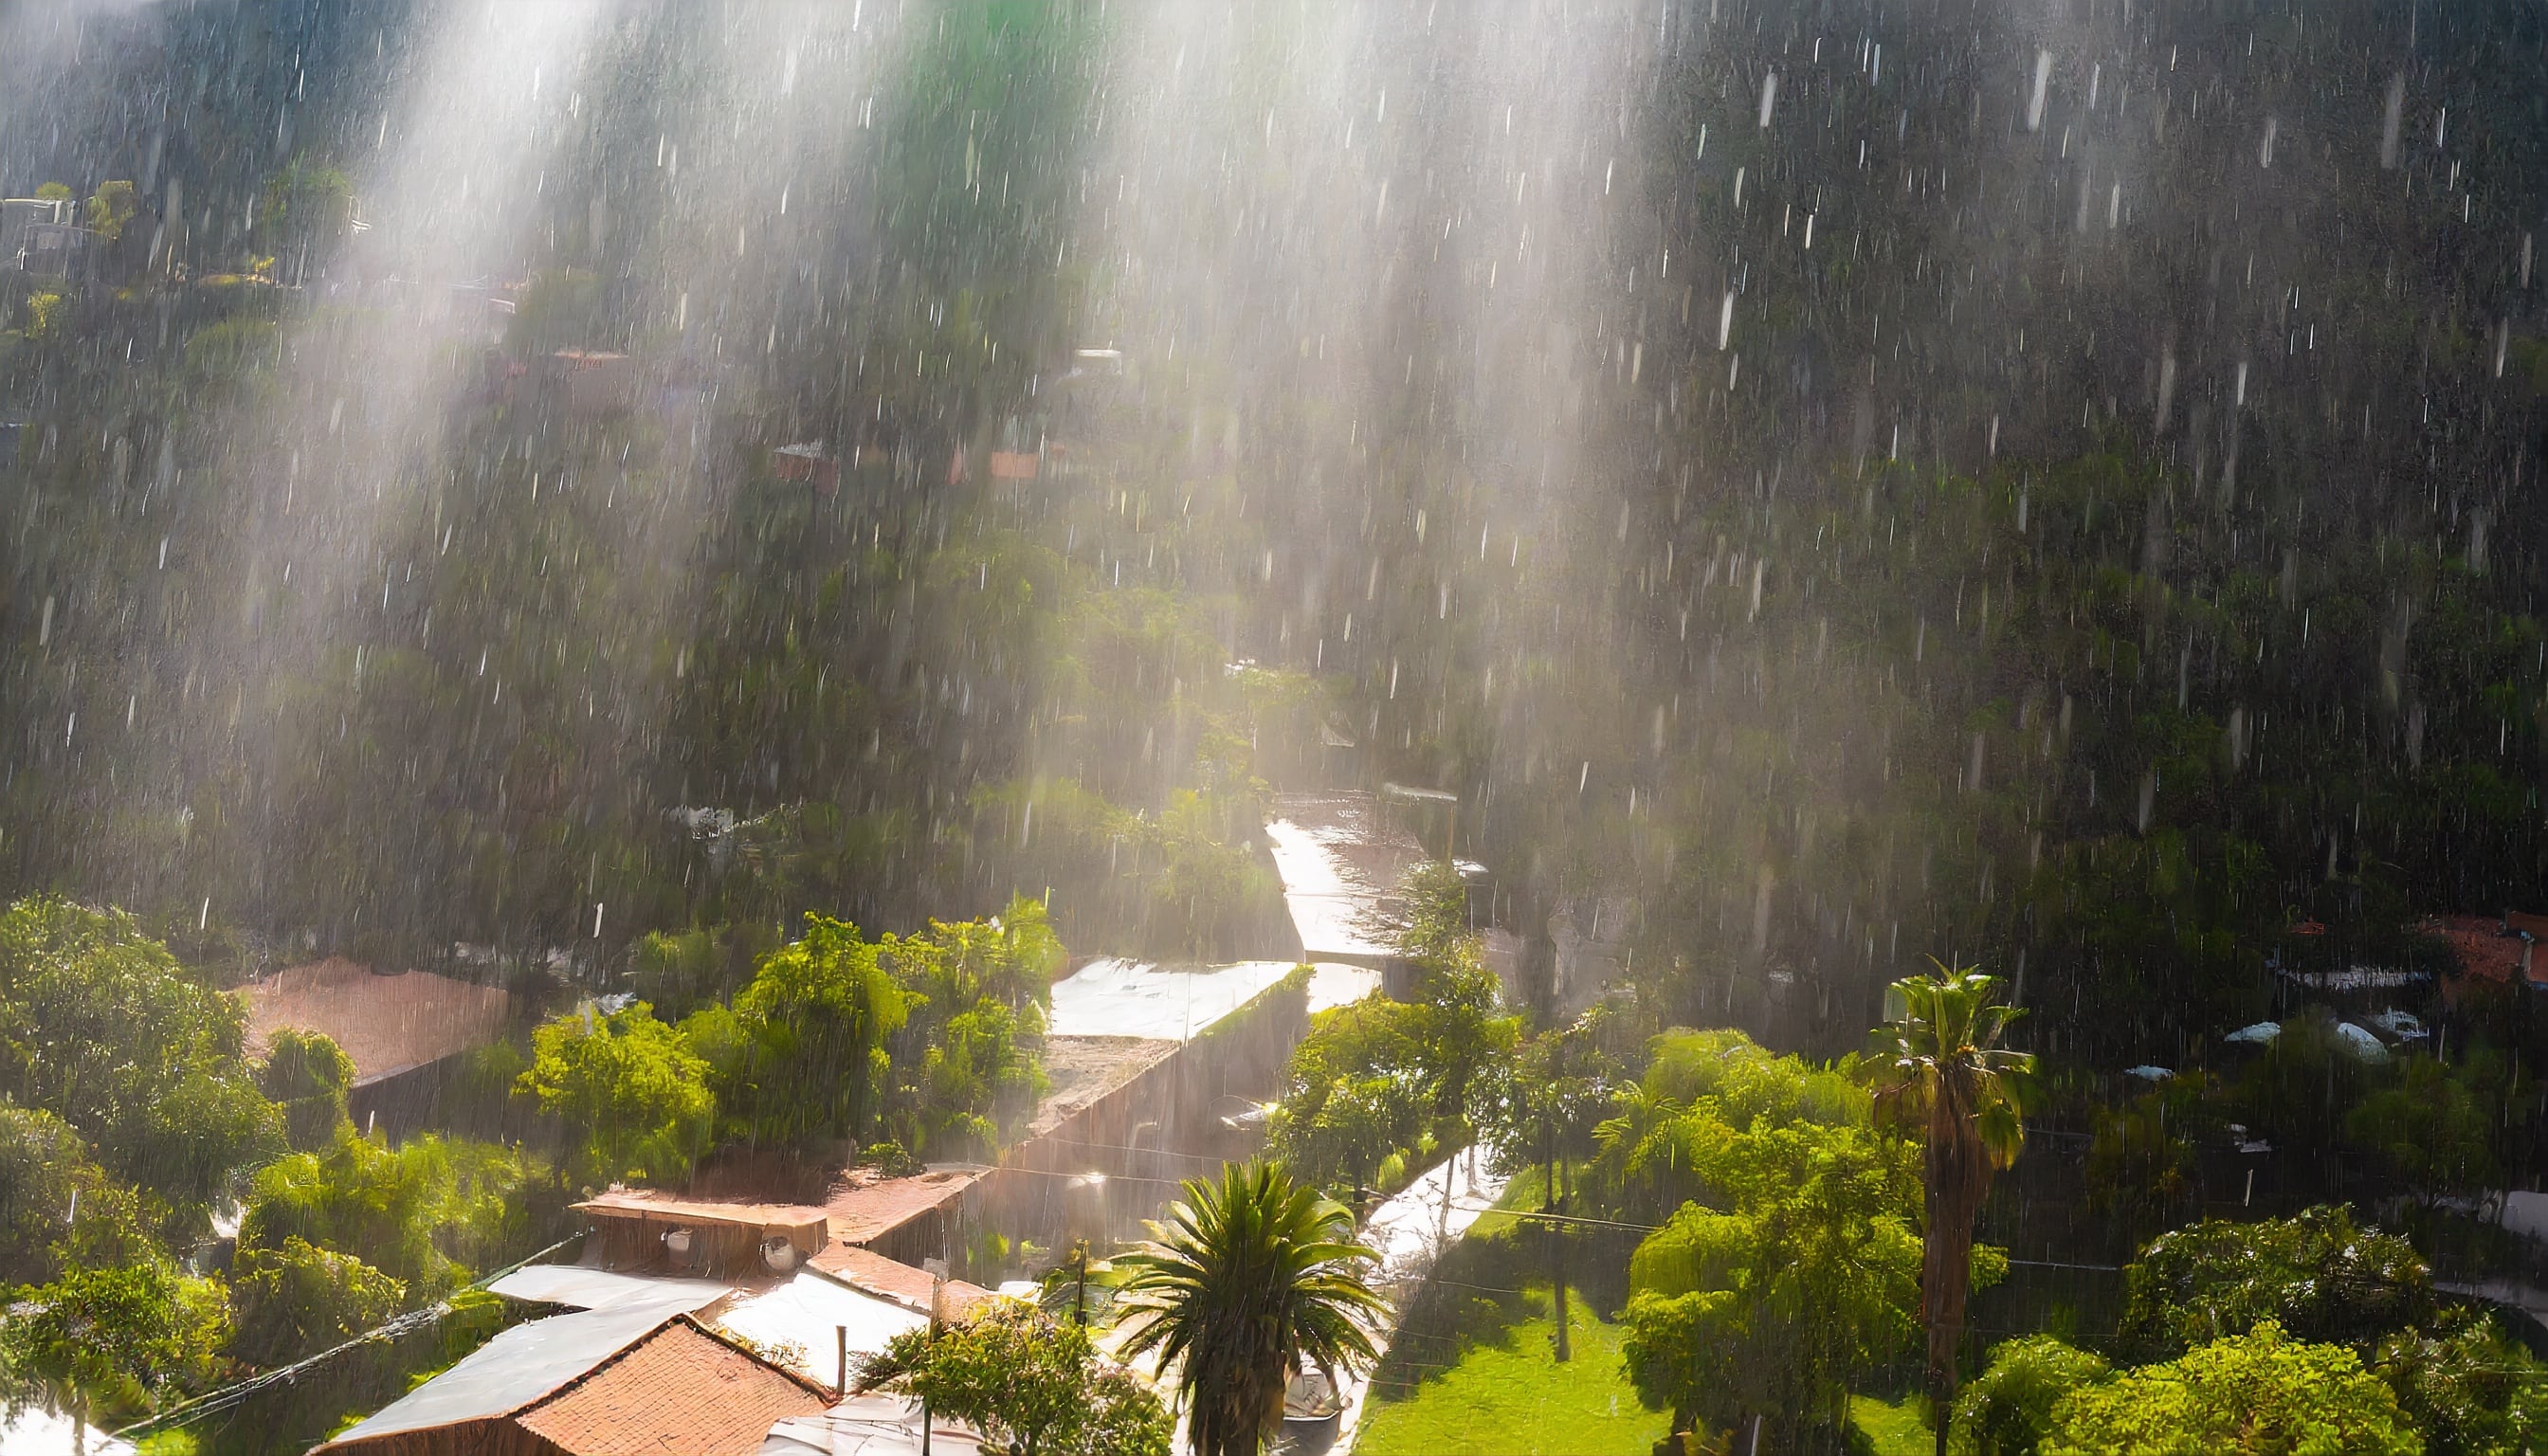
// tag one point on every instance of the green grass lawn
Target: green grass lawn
(1508, 1395)
(1897, 1428)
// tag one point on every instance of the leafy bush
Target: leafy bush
(2007, 1410)
(101, 1026)
(1027, 1381)
(2466, 1387)
(300, 1299)
(363, 1199)
(105, 1343)
(307, 1074)
(2315, 1274)
(2261, 1393)
(630, 1085)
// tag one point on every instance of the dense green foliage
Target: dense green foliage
(297, 1299)
(2316, 1275)
(58, 1208)
(101, 1026)
(1381, 1087)
(308, 1075)
(631, 1084)
(2470, 1389)
(105, 1343)
(2261, 1392)
(1035, 1387)
(2008, 1408)
(1794, 1265)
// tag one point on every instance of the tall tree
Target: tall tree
(1021, 1376)
(1943, 1076)
(1244, 1281)
(102, 1027)
(631, 1084)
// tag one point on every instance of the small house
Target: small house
(807, 463)
(702, 1238)
(627, 1378)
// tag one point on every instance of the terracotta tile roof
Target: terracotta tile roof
(678, 1388)
(870, 1272)
(387, 1024)
(2482, 948)
(864, 1206)
(647, 1202)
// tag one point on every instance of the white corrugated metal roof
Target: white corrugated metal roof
(580, 1288)
(519, 1366)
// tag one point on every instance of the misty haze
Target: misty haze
(1380, 727)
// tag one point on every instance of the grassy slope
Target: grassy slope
(1507, 1395)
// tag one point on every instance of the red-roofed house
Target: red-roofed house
(674, 1386)
(2487, 947)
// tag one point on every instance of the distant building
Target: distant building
(2500, 949)
(55, 249)
(652, 1232)
(589, 382)
(19, 213)
(809, 464)
(626, 1378)
(404, 1033)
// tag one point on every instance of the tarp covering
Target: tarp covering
(519, 1366)
(1134, 998)
(2360, 1042)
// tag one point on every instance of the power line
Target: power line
(231, 1396)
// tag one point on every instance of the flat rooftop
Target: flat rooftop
(1164, 1003)
(1340, 858)
(387, 1024)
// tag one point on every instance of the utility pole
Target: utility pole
(1556, 1242)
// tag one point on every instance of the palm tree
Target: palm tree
(1242, 1282)
(1941, 1074)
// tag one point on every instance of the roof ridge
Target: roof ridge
(728, 1341)
(630, 1346)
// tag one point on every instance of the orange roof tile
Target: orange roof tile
(678, 1388)
(2482, 948)
(870, 1272)
(864, 1207)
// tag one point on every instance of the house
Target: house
(813, 1321)
(406, 1033)
(871, 1425)
(644, 1231)
(55, 249)
(872, 1274)
(630, 1377)
(19, 213)
(2502, 949)
(1341, 854)
(807, 463)
(909, 1219)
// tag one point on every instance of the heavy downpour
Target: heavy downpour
(1125, 727)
